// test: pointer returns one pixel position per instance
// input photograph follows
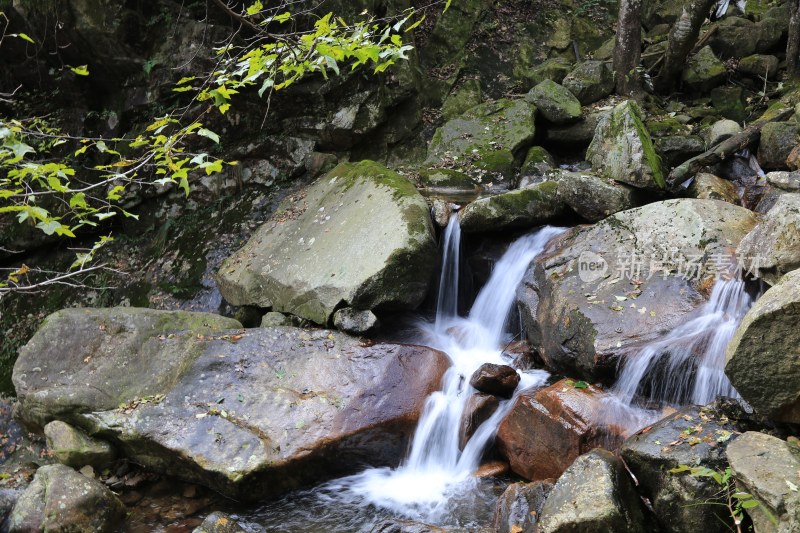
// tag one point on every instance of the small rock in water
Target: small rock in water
(500, 380)
(406, 526)
(355, 321)
(219, 523)
(492, 469)
(519, 507)
(478, 409)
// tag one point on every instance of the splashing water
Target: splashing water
(436, 468)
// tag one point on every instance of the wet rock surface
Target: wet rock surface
(248, 413)
(569, 422)
(499, 380)
(521, 209)
(693, 436)
(520, 506)
(478, 409)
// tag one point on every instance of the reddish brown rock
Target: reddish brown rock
(547, 429)
(477, 411)
(500, 380)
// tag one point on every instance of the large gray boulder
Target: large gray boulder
(581, 303)
(767, 468)
(524, 208)
(360, 236)
(762, 359)
(61, 499)
(594, 495)
(623, 151)
(247, 412)
(694, 436)
(773, 247)
(486, 138)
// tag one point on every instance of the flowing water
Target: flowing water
(435, 483)
(687, 366)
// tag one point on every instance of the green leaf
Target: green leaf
(417, 23)
(25, 37)
(749, 504)
(184, 184)
(208, 134)
(679, 469)
(82, 70)
(581, 385)
(447, 5)
(78, 200)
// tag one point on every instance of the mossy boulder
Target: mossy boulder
(520, 209)
(555, 102)
(776, 143)
(623, 151)
(73, 447)
(759, 66)
(452, 32)
(61, 499)
(445, 178)
(734, 37)
(554, 69)
(729, 102)
(538, 162)
(467, 96)
(487, 137)
(360, 236)
(704, 71)
(590, 81)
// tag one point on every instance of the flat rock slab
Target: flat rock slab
(250, 413)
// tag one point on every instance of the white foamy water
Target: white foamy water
(436, 469)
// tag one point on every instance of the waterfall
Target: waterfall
(687, 365)
(447, 299)
(436, 468)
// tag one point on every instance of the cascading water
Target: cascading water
(436, 467)
(687, 365)
(447, 299)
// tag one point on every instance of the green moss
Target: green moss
(650, 155)
(445, 177)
